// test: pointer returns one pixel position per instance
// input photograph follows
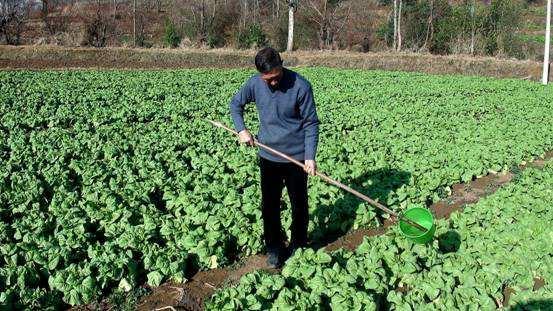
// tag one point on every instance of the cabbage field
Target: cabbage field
(113, 179)
(503, 240)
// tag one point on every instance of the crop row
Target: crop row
(503, 241)
(112, 179)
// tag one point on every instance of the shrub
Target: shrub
(171, 38)
(500, 23)
(96, 32)
(252, 37)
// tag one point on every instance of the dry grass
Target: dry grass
(55, 57)
(434, 64)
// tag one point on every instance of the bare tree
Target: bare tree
(395, 25)
(245, 13)
(292, 7)
(159, 6)
(55, 15)
(200, 16)
(275, 5)
(115, 16)
(140, 13)
(359, 27)
(208, 20)
(472, 27)
(399, 26)
(13, 14)
(134, 23)
(203, 14)
(430, 26)
(98, 24)
(330, 16)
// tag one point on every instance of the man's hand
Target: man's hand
(309, 167)
(246, 138)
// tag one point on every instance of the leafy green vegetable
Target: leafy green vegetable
(504, 240)
(115, 175)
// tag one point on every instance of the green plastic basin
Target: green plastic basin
(423, 217)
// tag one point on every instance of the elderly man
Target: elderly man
(289, 124)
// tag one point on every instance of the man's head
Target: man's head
(269, 64)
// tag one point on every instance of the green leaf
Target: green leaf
(154, 278)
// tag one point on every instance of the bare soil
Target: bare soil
(163, 297)
(42, 57)
(463, 194)
(354, 238)
(41, 64)
(192, 294)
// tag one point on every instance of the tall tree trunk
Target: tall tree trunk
(546, 64)
(290, 44)
(245, 14)
(395, 25)
(44, 13)
(114, 9)
(430, 26)
(134, 22)
(473, 27)
(399, 26)
(114, 21)
(257, 13)
(202, 22)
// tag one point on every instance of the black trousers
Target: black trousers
(275, 175)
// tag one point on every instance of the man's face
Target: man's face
(272, 78)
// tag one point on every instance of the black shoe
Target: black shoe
(273, 258)
(286, 253)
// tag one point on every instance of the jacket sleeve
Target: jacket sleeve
(239, 100)
(310, 122)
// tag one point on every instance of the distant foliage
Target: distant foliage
(252, 37)
(172, 38)
(439, 27)
(502, 19)
(488, 27)
(385, 31)
(96, 32)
